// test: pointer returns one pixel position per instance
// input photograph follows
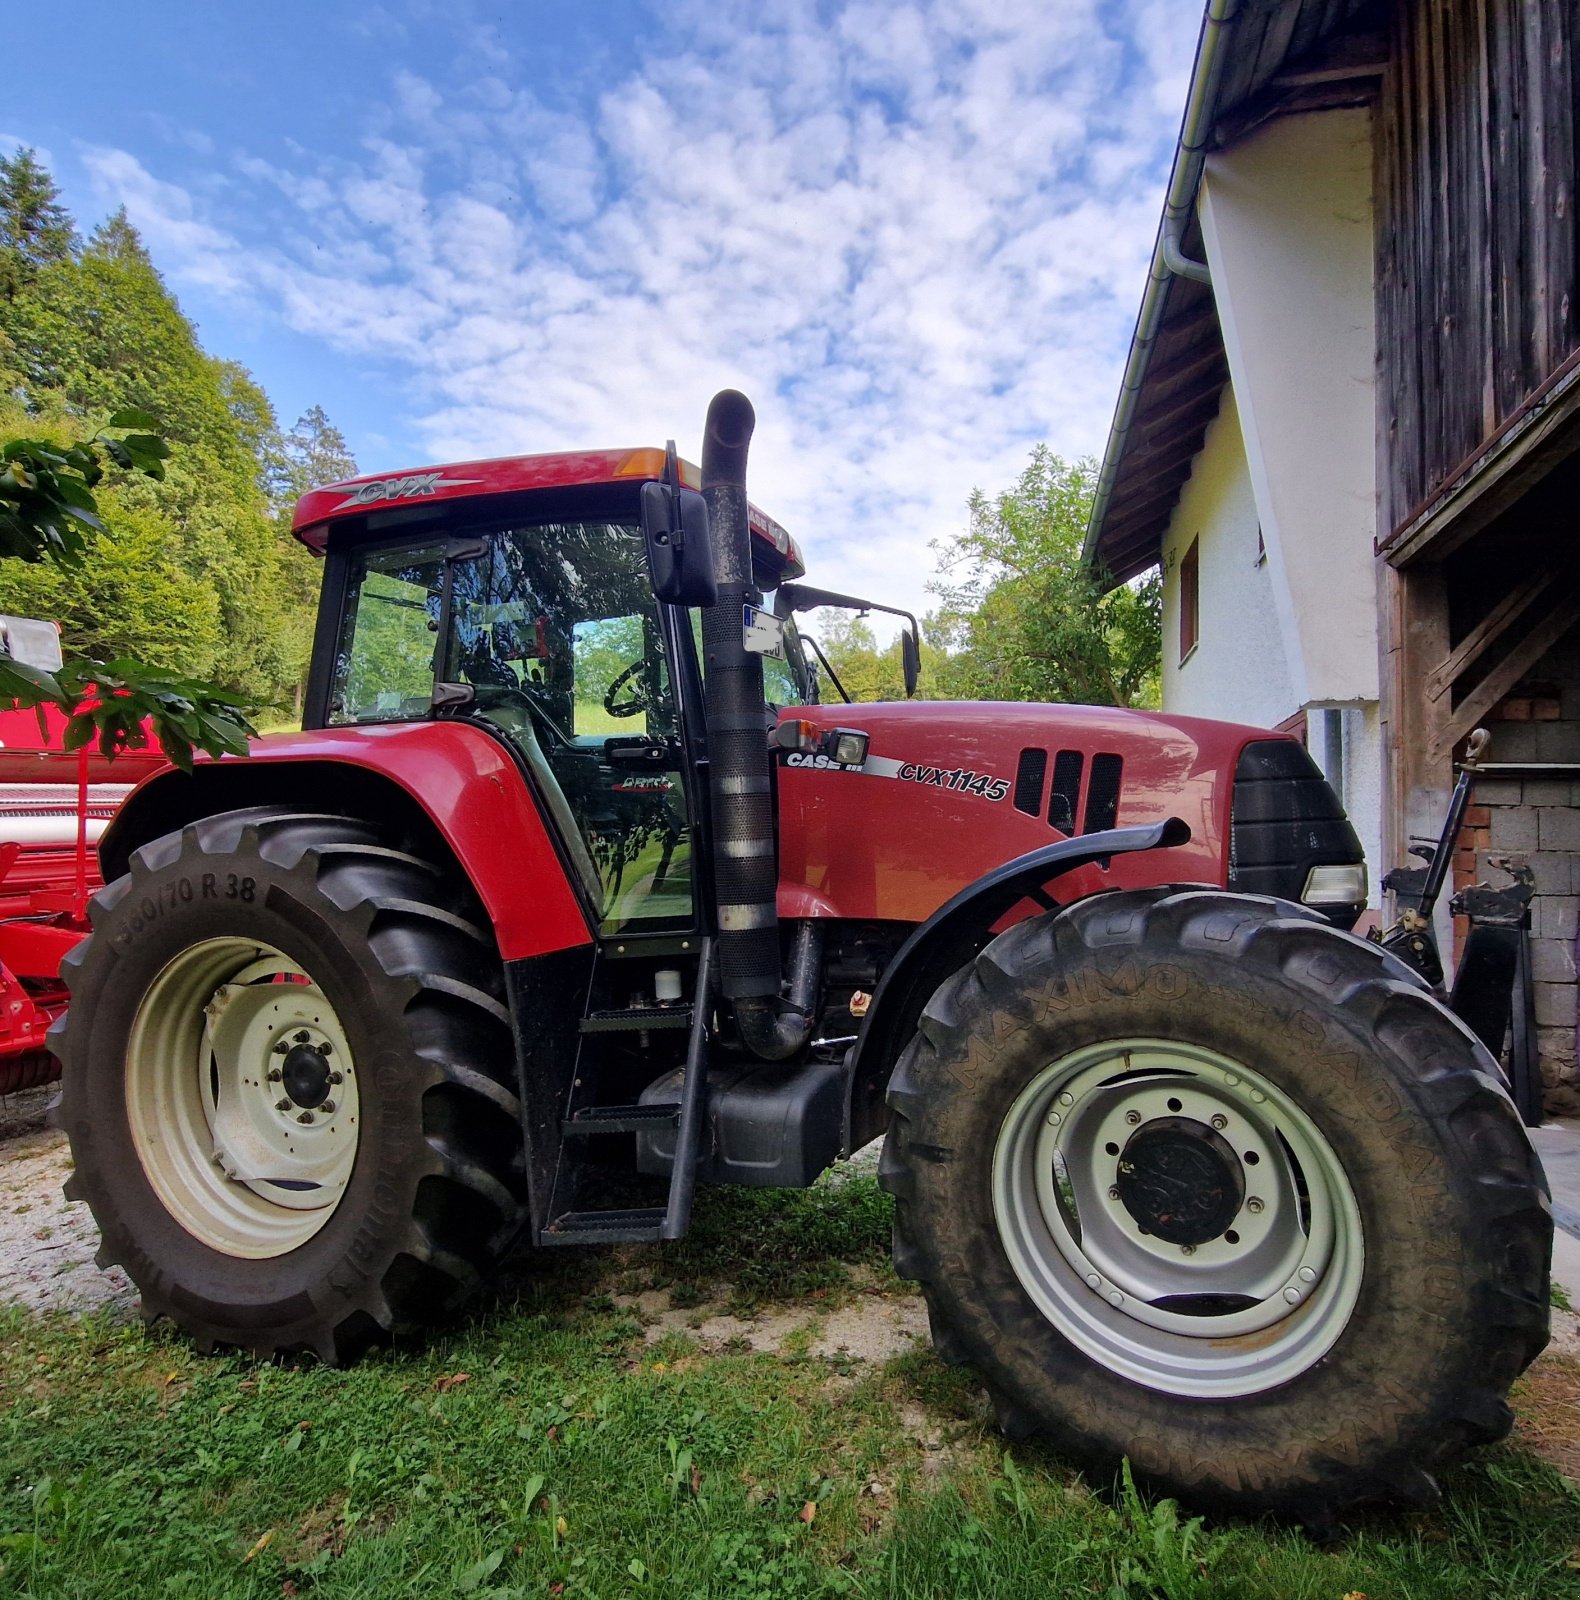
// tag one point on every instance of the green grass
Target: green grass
(1559, 1297)
(571, 1454)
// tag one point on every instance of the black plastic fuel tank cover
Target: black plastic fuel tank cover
(771, 1125)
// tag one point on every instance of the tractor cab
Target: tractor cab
(518, 594)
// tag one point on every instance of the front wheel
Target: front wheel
(1196, 1180)
(287, 1070)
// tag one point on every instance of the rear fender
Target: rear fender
(451, 787)
(951, 936)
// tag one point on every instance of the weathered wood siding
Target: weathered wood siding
(1476, 239)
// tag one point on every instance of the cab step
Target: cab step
(636, 1019)
(642, 1225)
(621, 1119)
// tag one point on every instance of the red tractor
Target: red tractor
(573, 895)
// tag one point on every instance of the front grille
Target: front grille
(1102, 793)
(1285, 820)
(1067, 767)
(1030, 774)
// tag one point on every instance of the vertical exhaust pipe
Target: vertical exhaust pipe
(745, 871)
(745, 861)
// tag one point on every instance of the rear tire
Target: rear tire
(288, 1084)
(1263, 1034)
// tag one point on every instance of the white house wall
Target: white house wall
(1287, 218)
(1238, 669)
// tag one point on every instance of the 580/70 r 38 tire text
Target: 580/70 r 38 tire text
(1195, 1179)
(287, 1073)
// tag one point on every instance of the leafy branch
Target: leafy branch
(47, 513)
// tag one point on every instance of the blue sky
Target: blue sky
(914, 231)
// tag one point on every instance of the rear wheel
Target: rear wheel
(1193, 1179)
(287, 1084)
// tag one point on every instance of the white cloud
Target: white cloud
(914, 233)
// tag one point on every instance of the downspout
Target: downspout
(1168, 255)
(745, 861)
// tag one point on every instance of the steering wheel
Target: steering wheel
(637, 703)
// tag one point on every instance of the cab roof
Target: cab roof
(470, 480)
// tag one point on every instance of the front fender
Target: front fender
(952, 935)
(450, 782)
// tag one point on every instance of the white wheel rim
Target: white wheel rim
(1237, 1313)
(242, 1098)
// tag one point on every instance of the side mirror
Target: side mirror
(911, 661)
(679, 555)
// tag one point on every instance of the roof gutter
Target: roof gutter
(1168, 256)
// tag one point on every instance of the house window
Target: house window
(1190, 600)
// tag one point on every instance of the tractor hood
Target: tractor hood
(952, 789)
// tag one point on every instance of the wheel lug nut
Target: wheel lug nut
(275, 1075)
(1220, 1123)
(1132, 1117)
(337, 1077)
(1187, 1249)
(1113, 1194)
(325, 1048)
(282, 1105)
(1254, 1206)
(301, 1036)
(281, 1048)
(328, 1108)
(306, 1116)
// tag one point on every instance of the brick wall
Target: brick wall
(1536, 818)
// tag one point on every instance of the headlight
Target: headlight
(1336, 885)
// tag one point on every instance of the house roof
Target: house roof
(1255, 60)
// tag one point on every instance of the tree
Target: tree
(48, 511)
(193, 569)
(1024, 618)
(35, 228)
(315, 453)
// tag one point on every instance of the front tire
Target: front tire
(286, 1082)
(1194, 1179)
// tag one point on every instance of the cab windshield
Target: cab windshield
(554, 630)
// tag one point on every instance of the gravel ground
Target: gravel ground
(47, 1245)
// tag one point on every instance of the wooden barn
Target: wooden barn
(1349, 427)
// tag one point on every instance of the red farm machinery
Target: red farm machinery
(575, 892)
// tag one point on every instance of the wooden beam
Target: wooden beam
(1491, 628)
(1527, 447)
(1508, 672)
(1192, 363)
(1413, 619)
(1126, 517)
(1205, 403)
(1159, 442)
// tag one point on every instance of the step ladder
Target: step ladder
(644, 1224)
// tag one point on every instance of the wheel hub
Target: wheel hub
(306, 1076)
(242, 1095)
(1177, 1216)
(1180, 1181)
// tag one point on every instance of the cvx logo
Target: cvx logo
(407, 488)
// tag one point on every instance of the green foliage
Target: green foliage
(47, 507)
(1022, 618)
(195, 566)
(48, 511)
(35, 229)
